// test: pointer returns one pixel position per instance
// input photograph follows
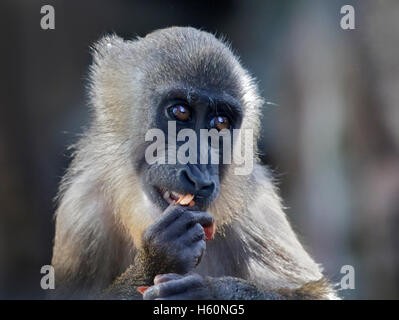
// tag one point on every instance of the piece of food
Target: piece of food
(142, 289)
(186, 200)
(210, 232)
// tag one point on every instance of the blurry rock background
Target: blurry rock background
(332, 141)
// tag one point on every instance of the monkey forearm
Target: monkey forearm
(140, 273)
(125, 286)
(231, 288)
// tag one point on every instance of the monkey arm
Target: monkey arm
(140, 273)
(196, 287)
(239, 289)
(231, 288)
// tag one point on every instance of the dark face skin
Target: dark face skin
(193, 109)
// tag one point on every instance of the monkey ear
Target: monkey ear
(107, 46)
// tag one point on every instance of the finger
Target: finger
(195, 294)
(170, 215)
(187, 220)
(199, 250)
(182, 296)
(166, 277)
(194, 234)
(170, 288)
(205, 219)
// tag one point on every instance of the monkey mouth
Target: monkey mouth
(169, 196)
(165, 197)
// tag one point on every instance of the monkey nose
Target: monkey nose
(198, 182)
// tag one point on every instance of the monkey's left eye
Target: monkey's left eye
(220, 123)
(180, 112)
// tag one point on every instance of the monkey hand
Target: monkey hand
(173, 286)
(176, 242)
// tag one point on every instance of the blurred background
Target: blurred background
(332, 140)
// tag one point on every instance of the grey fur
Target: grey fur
(103, 211)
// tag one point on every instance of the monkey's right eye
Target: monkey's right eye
(181, 112)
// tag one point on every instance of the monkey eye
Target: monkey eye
(180, 112)
(220, 123)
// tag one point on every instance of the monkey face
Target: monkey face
(196, 125)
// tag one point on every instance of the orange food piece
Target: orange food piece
(142, 289)
(210, 232)
(186, 200)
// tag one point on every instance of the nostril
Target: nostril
(207, 188)
(204, 188)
